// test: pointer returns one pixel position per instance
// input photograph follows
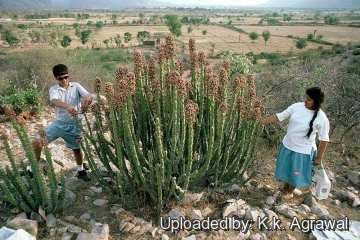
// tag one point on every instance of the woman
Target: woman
(298, 150)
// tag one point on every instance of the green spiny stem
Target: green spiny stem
(133, 156)
(52, 179)
(218, 143)
(159, 184)
(174, 137)
(151, 166)
(200, 172)
(61, 195)
(189, 157)
(199, 122)
(231, 113)
(10, 193)
(96, 172)
(182, 138)
(21, 189)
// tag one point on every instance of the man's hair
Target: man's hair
(59, 70)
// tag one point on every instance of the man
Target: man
(66, 97)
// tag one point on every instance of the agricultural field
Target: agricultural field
(227, 30)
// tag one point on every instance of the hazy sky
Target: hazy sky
(217, 2)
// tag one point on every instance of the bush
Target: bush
(338, 48)
(310, 55)
(22, 101)
(356, 52)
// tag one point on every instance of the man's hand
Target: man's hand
(72, 111)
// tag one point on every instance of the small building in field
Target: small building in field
(151, 42)
(5, 19)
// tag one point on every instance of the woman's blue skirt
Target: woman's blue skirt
(294, 168)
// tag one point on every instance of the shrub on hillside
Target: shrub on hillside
(356, 52)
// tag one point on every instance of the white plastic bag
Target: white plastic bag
(321, 184)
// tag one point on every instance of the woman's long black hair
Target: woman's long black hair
(317, 96)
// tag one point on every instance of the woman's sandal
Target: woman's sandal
(287, 195)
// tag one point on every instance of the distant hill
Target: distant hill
(69, 4)
(313, 3)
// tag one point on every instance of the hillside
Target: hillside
(42, 4)
(313, 3)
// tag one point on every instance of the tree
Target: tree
(65, 41)
(35, 35)
(301, 43)
(204, 32)
(85, 36)
(266, 35)
(189, 29)
(310, 36)
(127, 37)
(106, 42)
(10, 38)
(253, 35)
(99, 25)
(117, 40)
(141, 35)
(173, 22)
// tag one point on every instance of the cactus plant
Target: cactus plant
(168, 132)
(26, 193)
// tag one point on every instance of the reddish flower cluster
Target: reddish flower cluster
(212, 85)
(242, 105)
(192, 45)
(191, 109)
(223, 76)
(223, 108)
(120, 72)
(256, 114)
(9, 111)
(181, 86)
(259, 104)
(171, 78)
(151, 69)
(139, 62)
(162, 55)
(251, 82)
(21, 121)
(94, 108)
(179, 67)
(155, 86)
(84, 107)
(120, 99)
(97, 85)
(131, 85)
(226, 65)
(193, 61)
(201, 58)
(196, 156)
(239, 83)
(109, 91)
(251, 93)
(4, 135)
(169, 47)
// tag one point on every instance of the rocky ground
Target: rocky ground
(88, 213)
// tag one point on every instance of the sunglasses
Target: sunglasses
(62, 78)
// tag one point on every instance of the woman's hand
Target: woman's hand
(317, 161)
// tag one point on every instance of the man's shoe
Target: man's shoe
(83, 175)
